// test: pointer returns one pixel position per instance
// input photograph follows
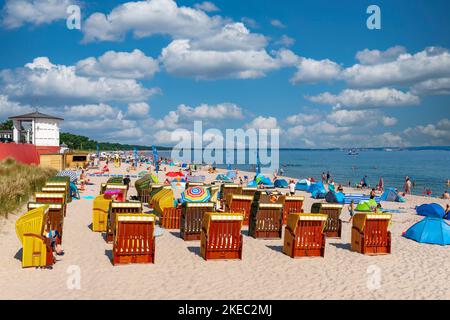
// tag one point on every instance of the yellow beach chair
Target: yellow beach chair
(36, 248)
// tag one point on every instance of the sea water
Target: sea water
(428, 169)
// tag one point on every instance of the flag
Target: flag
(155, 158)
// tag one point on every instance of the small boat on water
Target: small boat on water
(353, 152)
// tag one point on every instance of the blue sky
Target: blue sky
(138, 70)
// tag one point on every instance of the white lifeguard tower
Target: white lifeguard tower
(36, 128)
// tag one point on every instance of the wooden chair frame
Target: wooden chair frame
(333, 227)
(191, 219)
(116, 207)
(370, 234)
(266, 221)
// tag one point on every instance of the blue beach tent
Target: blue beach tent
(433, 210)
(335, 197)
(281, 183)
(317, 190)
(303, 185)
(391, 195)
(430, 230)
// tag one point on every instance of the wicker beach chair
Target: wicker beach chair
(239, 203)
(116, 207)
(61, 184)
(333, 227)
(265, 220)
(271, 197)
(100, 213)
(121, 190)
(36, 248)
(370, 233)
(195, 184)
(292, 204)
(164, 198)
(57, 189)
(229, 188)
(304, 235)
(46, 197)
(191, 219)
(134, 240)
(249, 191)
(55, 216)
(170, 218)
(221, 236)
(152, 190)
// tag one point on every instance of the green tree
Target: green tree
(7, 125)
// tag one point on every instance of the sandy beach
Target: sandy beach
(412, 271)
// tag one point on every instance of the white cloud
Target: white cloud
(181, 59)
(263, 123)
(389, 121)
(17, 13)
(233, 36)
(146, 18)
(285, 41)
(207, 6)
(277, 23)
(250, 22)
(373, 98)
(128, 65)
(100, 110)
(372, 57)
(215, 112)
(350, 117)
(430, 134)
(407, 69)
(303, 118)
(54, 84)
(310, 71)
(439, 86)
(139, 109)
(10, 108)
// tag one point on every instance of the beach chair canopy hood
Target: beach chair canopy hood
(430, 230)
(68, 173)
(432, 210)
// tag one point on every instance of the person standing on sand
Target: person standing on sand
(328, 176)
(447, 210)
(292, 187)
(324, 177)
(381, 184)
(372, 193)
(407, 186)
(351, 210)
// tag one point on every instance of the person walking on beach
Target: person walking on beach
(292, 187)
(407, 186)
(324, 177)
(351, 210)
(372, 193)
(381, 184)
(328, 176)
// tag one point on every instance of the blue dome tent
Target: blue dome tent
(281, 183)
(317, 190)
(222, 177)
(335, 197)
(432, 210)
(303, 185)
(430, 230)
(391, 195)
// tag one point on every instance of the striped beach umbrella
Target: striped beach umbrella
(195, 194)
(68, 173)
